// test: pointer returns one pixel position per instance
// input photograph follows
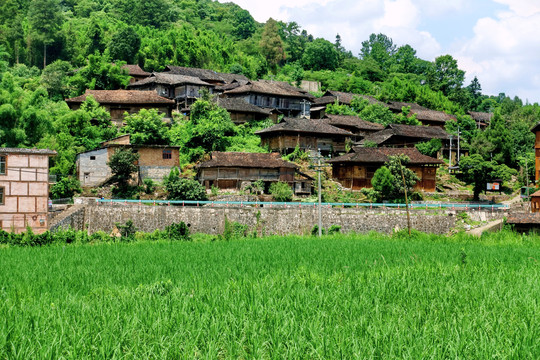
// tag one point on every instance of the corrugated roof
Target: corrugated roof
(170, 79)
(351, 121)
(122, 97)
(24, 151)
(312, 126)
(271, 88)
(246, 160)
(380, 156)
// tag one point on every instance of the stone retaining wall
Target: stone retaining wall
(272, 220)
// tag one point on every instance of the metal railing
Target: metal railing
(425, 206)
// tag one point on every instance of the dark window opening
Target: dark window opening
(92, 157)
(1, 195)
(167, 154)
(3, 165)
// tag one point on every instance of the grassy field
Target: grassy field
(367, 296)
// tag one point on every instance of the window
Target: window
(167, 154)
(1, 195)
(92, 157)
(2, 165)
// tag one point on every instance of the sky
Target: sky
(496, 40)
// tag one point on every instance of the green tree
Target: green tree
(123, 165)
(185, 189)
(271, 44)
(99, 74)
(379, 48)
(244, 24)
(383, 182)
(476, 171)
(397, 165)
(320, 55)
(44, 23)
(430, 148)
(147, 127)
(55, 78)
(445, 76)
(66, 187)
(124, 45)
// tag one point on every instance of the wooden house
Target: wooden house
(536, 131)
(183, 89)
(274, 95)
(118, 102)
(234, 170)
(208, 76)
(307, 134)
(24, 189)
(356, 169)
(241, 111)
(398, 135)
(136, 73)
(426, 116)
(482, 119)
(535, 202)
(342, 98)
(155, 161)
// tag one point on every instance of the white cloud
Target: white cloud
(503, 52)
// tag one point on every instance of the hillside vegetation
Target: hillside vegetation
(52, 49)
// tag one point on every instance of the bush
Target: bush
(149, 186)
(127, 231)
(185, 189)
(334, 229)
(65, 188)
(281, 191)
(178, 231)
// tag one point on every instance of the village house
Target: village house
(155, 161)
(24, 189)
(287, 99)
(235, 170)
(208, 76)
(318, 108)
(136, 73)
(118, 102)
(482, 119)
(398, 135)
(307, 135)
(183, 89)
(536, 131)
(241, 111)
(427, 117)
(360, 128)
(356, 169)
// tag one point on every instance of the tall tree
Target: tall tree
(271, 44)
(380, 48)
(124, 45)
(445, 76)
(320, 55)
(244, 24)
(44, 23)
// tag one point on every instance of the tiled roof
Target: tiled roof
(331, 96)
(524, 218)
(135, 70)
(411, 131)
(240, 105)
(432, 115)
(170, 79)
(205, 74)
(232, 85)
(481, 116)
(249, 160)
(27, 151)
(380, 155)
(122, 97)
(304, 126)
(351, 121)
(270, 88)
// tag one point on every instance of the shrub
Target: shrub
(149, 186)
(178, 231)
(127, 231)
(185, 189)
(65, 188)
(334, 229)
(281, 191)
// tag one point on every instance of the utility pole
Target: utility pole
(450, 154)
(458, 133)
(319, 168)
(406, 199)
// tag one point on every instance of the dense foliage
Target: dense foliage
(52, 49)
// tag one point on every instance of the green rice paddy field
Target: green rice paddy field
(358, 296)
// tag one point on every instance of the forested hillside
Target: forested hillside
(52, 49)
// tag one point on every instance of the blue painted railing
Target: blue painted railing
(425, 206)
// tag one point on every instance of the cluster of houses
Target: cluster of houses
(355, 148)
